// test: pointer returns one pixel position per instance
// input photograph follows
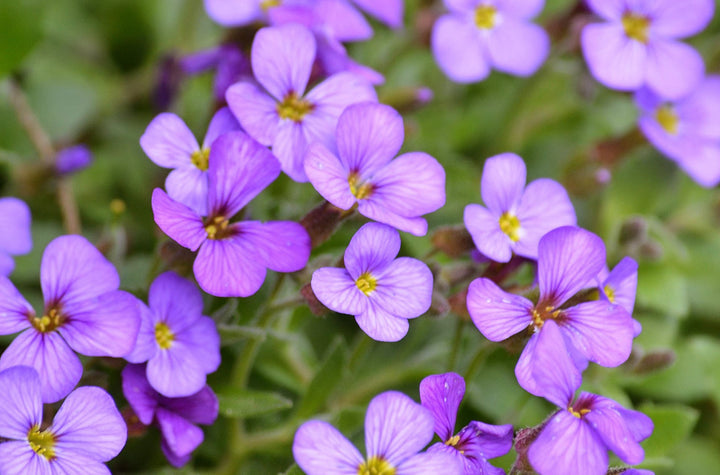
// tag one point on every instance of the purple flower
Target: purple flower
(233, 257)
(227, 60)
(86, 432)
(333, 58)
(389, 12)
(15, 237)
(83, 312)
(180, 345)
(576, 439)
(688, 130)
(478, 35)
(381, 291)
(73, 159)
(637, 44)
(176, 417)
(395, 192)
(239, 12)
(170, 144)
(619, 286)
(516, 216)
(476, 442)
(569, 260)
(396, 429)
(282, 115)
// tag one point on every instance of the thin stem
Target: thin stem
(486, 348)
(457, 340)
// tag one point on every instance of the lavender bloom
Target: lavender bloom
(176, 417)
(688, 130)
(83, 312)
(282, 115)
(396, 429)
(569, 260)
(170, 144)
(516, 216)
(362, 171)
(389, 12)
(73, 159)
(15, 237)
(637, 45)
(381, 291)
(180, 345)
(229, 63)
(233, 257)
(476, 442)
(86, 432)
(332, 58)
(478, 35)
(239, 12)
(619, 286)
(576, 439)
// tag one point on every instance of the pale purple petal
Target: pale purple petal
(341, 20)
(328, 176)
(622, 284)
(181, 436)
(372, 248)
(255, 110)
(189, 186)
(369, 135)
(502, 183)
(58, 367)
(15, 222)
(703, 166)
(175, 300)
(442, 394)
(282, 58)
(318, 448)
(233, 12)
(335, 289)
(72, 269)
(569, 259)
(518, 47)
(104, 326)
(697, 111)
(600, 331)
(485, 441)
(461, 6)
(20, 402)
(222, 122)
(396, 427)
(174, 459)
(521, 9)
(178, 221)
(459, 49)
(229, 268)
(673, 68)
(430, 463)
(484, 227)
(168, 142)
(615, 60)
(289, 147)
(142, 398)
(239, 169)
(640, 425)
(556, 377)
(568, 446)
(608, 9)
(675, 19)
(378, 212)
(496, 313)
(471, 466)
(525, 367)
(333, 58)
(404, 288)
(7, 264)
(79, 464)
(15, 311)
(389, 12)
(18, 458)
(608, 423)
(89, 424)
(283, 246)
(199, 408)
(380, 325)
(145, 345)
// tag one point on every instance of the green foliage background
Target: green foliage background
(89, 69)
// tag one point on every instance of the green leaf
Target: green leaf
(662, 288)
(673, 424)
(243, 403)
(20, 30)
(326, 379)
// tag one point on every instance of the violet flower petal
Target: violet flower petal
(181, 436)
(610, 426)
(486, 441)
(525, 9)
(496, 313)
(319, 448)
(189, 186)
(404, 288)
(222, 122)
(14, 309)
(613, 59)
(341, 20)
(138, 392)
(228, 268)
(679, 20)
(442, 394)
(518, 47)
(174, 459)
(376, 210)
(621, 282)
(255, 110)
(145, 345)
(289, 146)
(20, 404)
(79, 464)
(553, 369)
(608, 9)
(389, 12)
(333, 58)
(178, 221)
(674, 69)
(233, 12)
(380, 325)
(168, 142)
(199, 408)
(459, 49)
(503, 181)
(328, 176)
(18, 458)
(372, 248)
(15, 222)
(335, 289)
(176, 300)
(283, 246)
(430, 463)
(483, 226)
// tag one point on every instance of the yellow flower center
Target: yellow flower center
(609, 293)
(42, 442)
(200, 158)
(579, 413)
(217, 227)
(376, 466)
(366, 283)
(359, 190)
(48, 322)
(294, 108)
(510, 225)
(667, 118)
(636, 26)
(485, 17)
(163, 335)
(539, 316)
(268, 4)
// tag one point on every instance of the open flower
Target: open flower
(577, 438)
(86, 432)
(83, 312)
(476, 442)
(15, 236)
(637, 44)
(362, 172)
(381, 291)
(515, 216)
(233, 257)
(396, 429)
(279, 113)
(180, 345)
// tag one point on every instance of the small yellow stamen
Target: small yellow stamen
(376, 466)
(42, 442)
(200, 158)
(48, 322)
(453, 441)
(609, 293)
(366, 283)
(539, 316)
(163, 335)
(579, 413)
(359, 190)
(266, 5)
(636, 26)
(510, 225)
(485, 17)
(217, 227)
(294, 108)
(668, 119)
